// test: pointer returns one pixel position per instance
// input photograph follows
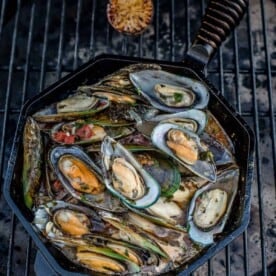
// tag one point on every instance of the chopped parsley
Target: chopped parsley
(177, 97)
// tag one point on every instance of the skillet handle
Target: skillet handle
(220, 18)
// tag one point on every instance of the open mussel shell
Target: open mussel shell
(120, 79)
(77, 133)
(62, 219)
(125, 177)
(217, 132)
(83, 132)
(162, 169)
(221, 155)
(96, 258)
(74, 107)
(81, 177)
(136, 254)
(193, 119)
(169, 92)
(210, 207)
(111, 94)
(196, 164)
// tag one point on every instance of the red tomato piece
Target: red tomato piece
(57, 186)
(84, 132)
(69, 139)
(59, 136)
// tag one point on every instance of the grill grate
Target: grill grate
(45, 40)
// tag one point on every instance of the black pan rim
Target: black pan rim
(211, 251)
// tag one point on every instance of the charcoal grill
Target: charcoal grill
(45, 40)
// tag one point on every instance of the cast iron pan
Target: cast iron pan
(221, 17)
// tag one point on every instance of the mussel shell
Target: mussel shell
(203, 168)
(120, 79)
(146, 80)
(112, 94)
(110, 150)
(160, 168)
(227, 181)
(50, 113)
(95, 258)
(98, 132)
(46, 213)
(221, 155)
(192, 116)
(103, 200)
(134, 253)
(216, 131)
(32, 164)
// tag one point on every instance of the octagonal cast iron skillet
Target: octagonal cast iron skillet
(221, 17)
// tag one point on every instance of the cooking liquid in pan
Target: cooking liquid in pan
(117, 200)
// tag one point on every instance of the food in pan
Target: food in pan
(131, 17)
(116, 199)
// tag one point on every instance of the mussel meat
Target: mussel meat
(125, 178)
(186, 148)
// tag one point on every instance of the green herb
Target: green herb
(177, 97)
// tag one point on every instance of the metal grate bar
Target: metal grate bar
(245, 253)
(61, 40)
(75, 65)
(237, 71)
(29, 44)
(238, 106)
(156, 29)
(257, 133)
(45, 43)
(92, 33)
(107, 36)
(188, 26)
(269, 86)
(172, 28)
(124, 46)
(140, 47)
(3, 6)
(28, 257)
(9, 83)
(11, 245)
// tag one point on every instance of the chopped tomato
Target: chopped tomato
(59, 136)
(69, 139)
(57, 186)
(84, 132)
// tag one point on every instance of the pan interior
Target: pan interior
(96, 70)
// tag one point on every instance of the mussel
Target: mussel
(211, 205)
(159, 167)
(125, 177)
(77, 106)
(193, 119)
(169, 92)
(32, 153)
(185, 147)
(82, 178)
(82, 132)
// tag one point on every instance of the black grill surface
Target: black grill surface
(41, 41)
